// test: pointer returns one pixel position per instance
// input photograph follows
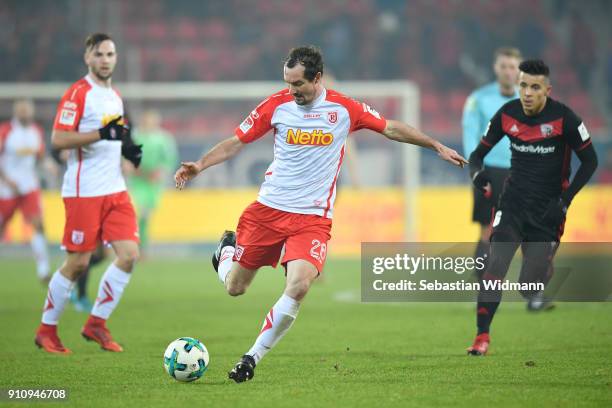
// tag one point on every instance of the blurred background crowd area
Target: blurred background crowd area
(444, 46)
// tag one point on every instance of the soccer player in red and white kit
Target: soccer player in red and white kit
(97, 205)
(22, 147)
(295, 203)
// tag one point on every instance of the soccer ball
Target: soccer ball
(186, 359)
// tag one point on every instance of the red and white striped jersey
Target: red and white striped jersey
(20, 147)
(95, 169)
(309, 145)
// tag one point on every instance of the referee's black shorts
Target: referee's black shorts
(483, 206)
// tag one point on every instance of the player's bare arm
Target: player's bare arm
(401, 132)
(218, 154)
(68, 140)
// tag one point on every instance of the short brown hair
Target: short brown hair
(310, 57)
(508, 52)
(93, 40)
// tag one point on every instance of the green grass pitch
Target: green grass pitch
(339, 353)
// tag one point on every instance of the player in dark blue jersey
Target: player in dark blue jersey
(532, 208)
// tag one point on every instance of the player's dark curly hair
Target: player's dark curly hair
(310, 57)
(535, 67)
(93, 40)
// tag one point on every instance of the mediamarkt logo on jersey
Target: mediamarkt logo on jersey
(314, 138)
(533, 149)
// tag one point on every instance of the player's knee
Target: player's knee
(80, 266)
(133, 256)
(75, 267)
(126, 261)
(235, 288)
(128, 258)
(236, 291)
(298, 289)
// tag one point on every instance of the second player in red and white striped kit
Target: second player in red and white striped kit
(295, 203)
(98, 207)
(22, 150)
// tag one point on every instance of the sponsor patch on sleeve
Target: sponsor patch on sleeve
(67, 117)
(584, 133)
(247, 124)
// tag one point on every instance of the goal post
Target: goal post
(138, 94)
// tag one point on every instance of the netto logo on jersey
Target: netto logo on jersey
(533, 149)
(314, 138)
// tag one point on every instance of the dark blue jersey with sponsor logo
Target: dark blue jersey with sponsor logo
(541, 147)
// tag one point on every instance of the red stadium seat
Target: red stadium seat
(187, 30)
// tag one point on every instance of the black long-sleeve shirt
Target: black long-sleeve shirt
(541, 148)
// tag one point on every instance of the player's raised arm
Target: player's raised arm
(401, 132)
(218, 154)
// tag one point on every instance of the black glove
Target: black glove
(129, 150)
(113, 130)
(556, 210)
(132, 153)
(482, 183)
